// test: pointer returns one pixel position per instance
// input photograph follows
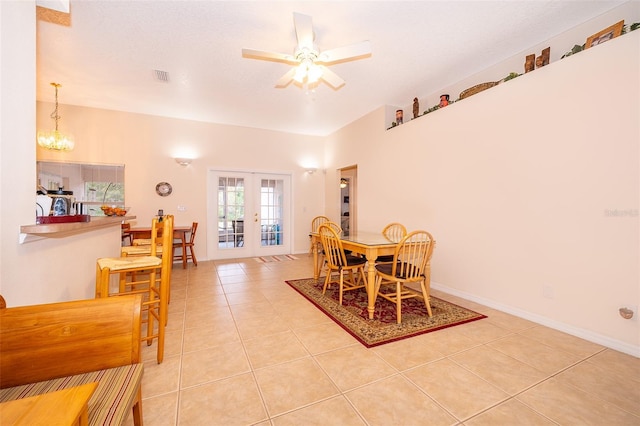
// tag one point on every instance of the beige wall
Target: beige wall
(517, 184)
(147, 146)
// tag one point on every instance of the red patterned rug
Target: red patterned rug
(353, 317)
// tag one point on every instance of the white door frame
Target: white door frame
(251, 246)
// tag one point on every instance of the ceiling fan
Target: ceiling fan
(310, 65)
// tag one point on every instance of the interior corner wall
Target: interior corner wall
(530, 188)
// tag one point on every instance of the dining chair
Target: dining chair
(189, 253)
(125, 228)
(338, 261)
(393, 232)
(139, 275)
(411, 264)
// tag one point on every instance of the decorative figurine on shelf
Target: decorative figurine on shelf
(416, 108)
(444, 101)
(399, 114)
(530, 63)
(543, 59)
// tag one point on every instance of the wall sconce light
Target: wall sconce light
(343, 183)
(311, 171)
(183, 161)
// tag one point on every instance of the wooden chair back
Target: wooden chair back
(192, 237)
(332, 246)
(317, 221)
(44, 342)
(412, 257)
(394, 232)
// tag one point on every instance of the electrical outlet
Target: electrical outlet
(182, 208)
(547, 292)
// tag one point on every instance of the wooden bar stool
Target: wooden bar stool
(155, 291)
(153, 246)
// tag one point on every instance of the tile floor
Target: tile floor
(243, 348)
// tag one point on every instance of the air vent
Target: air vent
(162, 75)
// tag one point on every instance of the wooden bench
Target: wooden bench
(46, 348)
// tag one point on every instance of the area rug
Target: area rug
(267, 259)
(352, 316)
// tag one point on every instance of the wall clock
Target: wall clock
(163, 189)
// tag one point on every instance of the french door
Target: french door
(248, 214)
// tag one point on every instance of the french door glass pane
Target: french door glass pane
(271, 199)
(231, 200)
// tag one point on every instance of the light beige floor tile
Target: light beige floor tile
(458, 390)
(395, 401)
(509, 413)
(334, 411)
(563, 341)
(567, 405)
(204, 337)
(231, 401)
(274, 349)
(159, 379)
(354, 366)
(508, 321)
(617, 363)
(213, 364)
(502, 371)
(324, 337)
(408, 353)
(262, 326)
(293, 385)
(448, 341)
(620, 390)
(534, 353)
(172, 346)
(159, 410)
(482, 331)
(207, 318)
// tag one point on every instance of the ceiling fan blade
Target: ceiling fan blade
(268, 56)
(286, 79)
(304, 30)
(346, 53)
(331, 78)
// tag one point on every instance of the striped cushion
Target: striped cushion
(111, 402)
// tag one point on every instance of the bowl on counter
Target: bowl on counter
(114, 210)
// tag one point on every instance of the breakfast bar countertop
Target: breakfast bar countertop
(59, 230)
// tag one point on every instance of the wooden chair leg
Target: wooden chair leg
(137, 408)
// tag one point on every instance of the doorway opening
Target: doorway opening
(348, 198)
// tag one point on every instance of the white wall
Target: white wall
(517, 184)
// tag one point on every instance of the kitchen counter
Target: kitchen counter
(61, 230)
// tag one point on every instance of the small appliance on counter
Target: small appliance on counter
(58, 207)
(62, 202)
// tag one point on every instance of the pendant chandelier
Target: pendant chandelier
(53, 139)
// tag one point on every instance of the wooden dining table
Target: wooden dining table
(369, 244)
(179, 233)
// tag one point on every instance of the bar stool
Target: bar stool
(155, 291)
(153, 246)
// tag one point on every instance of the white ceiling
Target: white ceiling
(104, 54)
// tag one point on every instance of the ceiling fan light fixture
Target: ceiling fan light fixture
(301, 73)
(53, 139)
(314, 73)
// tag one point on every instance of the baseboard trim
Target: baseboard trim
(547, 322)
